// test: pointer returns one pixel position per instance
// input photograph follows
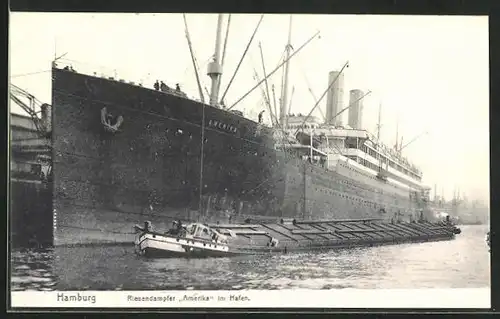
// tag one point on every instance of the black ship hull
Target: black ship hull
(150, 167)
(30, 214)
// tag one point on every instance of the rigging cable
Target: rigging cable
(310, 89)
(28, 74)
(276, 69)
(243, 57)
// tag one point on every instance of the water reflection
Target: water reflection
(463, 262)
(32, 270)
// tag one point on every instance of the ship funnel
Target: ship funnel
(356, 109)
(335, 98)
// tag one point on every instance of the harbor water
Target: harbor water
(460, 263)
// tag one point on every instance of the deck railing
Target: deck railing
(147, 81)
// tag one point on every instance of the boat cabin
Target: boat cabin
(197, 230)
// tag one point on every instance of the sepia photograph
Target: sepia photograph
(248, 160)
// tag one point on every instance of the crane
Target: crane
(42, 128)
(17, 94)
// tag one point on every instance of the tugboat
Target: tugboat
(451, 225)
(193, 240)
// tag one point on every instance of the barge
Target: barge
(218, 240)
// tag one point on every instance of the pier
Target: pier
(30, 192)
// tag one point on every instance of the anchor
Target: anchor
(107, 120)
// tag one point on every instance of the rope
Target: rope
(309, 88)
(27, 74)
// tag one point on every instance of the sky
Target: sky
(429, 73)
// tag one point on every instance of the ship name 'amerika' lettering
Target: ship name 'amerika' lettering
(222, 126)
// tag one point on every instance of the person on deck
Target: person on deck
(156, 85)
(176, 228)
(174, 225)
(163, 87)
(260, 116)
(177, 87)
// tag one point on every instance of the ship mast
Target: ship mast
(378, 137)
(379, 122)
(193, 60)
(284, 93)
(381, 175)
(273, 71)
(435, 193)
(241, 60)
(290, 105)
(214, 67)
(266, 99)
(224, 52)
(397, 136)
(214, 71)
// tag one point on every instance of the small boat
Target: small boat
(194, 240)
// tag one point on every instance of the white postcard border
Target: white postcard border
(479, 298)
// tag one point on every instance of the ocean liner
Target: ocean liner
(123, 153)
